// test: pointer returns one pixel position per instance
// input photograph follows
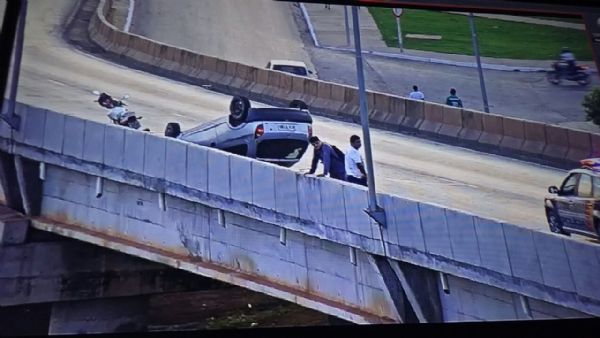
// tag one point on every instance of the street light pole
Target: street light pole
(347, 26)
(377, 213)
(486, 107)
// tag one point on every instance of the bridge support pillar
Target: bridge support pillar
(30, 185)
(414, 290)
(8, 181)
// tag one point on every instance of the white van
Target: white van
(289, 66)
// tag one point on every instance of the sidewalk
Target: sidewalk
(328, 28)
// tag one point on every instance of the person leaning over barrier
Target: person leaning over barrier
(355, 168)
(332, 158)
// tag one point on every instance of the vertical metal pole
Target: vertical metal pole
(374, 211)
(400, 44)
(347, 26)
(486, 107)
(10, 117)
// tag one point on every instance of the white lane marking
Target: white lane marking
(129, 15)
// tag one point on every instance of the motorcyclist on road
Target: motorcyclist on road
(567, 58)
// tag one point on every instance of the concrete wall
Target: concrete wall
(128, 216)
(316, 267)
(469, 301)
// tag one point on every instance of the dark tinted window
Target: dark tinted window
(568, 187)
(585, 186)
(281, 149)
(291, 69)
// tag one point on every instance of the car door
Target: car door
(565, 199)
(583, 204)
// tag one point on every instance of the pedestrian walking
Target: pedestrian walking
(355, 167)
(332, 158)
(416, 94)
(454, 100)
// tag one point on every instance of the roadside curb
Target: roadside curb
(488, 66)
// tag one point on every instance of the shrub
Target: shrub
(591, 105)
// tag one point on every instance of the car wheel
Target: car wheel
(554, 222)
(173, 129)
(298, 104)
(238, 110)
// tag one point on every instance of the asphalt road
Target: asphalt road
(253, 32)
(59, 77)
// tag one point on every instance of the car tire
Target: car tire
(173, 129)
(298, 104)
(238, 110)
(554, 222)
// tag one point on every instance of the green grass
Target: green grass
(497, 38)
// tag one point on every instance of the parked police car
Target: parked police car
(275, 135)
(575, 208)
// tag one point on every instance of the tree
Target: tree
(591, 105)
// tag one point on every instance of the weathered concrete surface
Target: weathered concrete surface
(65, 270)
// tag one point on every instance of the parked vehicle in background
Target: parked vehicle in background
(274, 135)
(289, 66)
(575, 206)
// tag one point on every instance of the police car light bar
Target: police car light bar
(591, 163)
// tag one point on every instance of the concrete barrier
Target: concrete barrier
(323, 99)
(397, 113)
(261, 82)
(580, 145)
(452, 122)
(433, 118)
(310, 91)
(514, 134)
(486, 251)
(557, 144)
(472, 125)
(350, 108)
(492, 132)
(337, 99)
(274, 90)
(381, 108)
(415, 114)
(535, 137)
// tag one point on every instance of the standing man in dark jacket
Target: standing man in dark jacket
(333, 162)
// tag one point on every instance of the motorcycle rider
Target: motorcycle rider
(566, 58)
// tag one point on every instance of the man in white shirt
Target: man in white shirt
(416, 94)
(355, 168)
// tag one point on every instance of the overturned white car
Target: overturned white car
(275, 135)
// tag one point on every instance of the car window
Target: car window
(568, 187)
(596, 183)
(291, 69)
(584, 189)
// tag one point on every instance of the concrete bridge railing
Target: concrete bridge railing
(269, 228)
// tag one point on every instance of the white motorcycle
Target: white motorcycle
(117, 112)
